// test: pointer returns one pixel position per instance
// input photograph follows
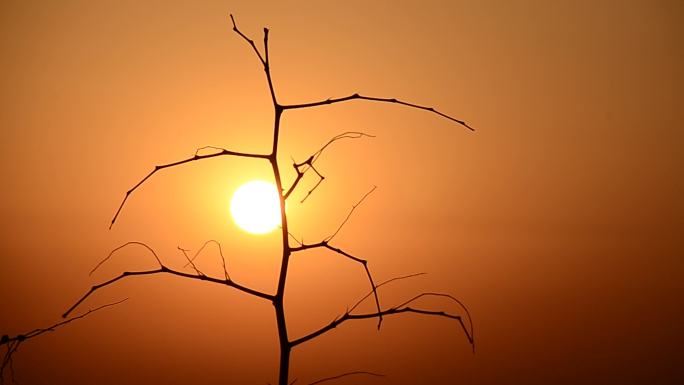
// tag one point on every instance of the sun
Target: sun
(255, 207)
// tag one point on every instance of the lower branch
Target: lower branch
(345, 375)
(14, 341)
(353, 258)
(166, 270)
(348, 316)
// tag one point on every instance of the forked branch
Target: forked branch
(350, 214)
(163, 270)
(191, 260)
(308, 164)
(401, 308)
(196, 157)
(391, 311)
(375, 99)
(363, 262)
(14, 341)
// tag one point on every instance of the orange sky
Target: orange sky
(558, 222)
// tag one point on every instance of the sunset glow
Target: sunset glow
(255, 207)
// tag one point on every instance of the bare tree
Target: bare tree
(286, 342)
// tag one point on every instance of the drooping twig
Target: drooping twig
(195, 157)
(308, 164)
(190, 262)
(375, 99)
(264, 61)
(351, 309)
(14, 341)
(350, 213)
(250, 41)
(402, 308)
(223, 259)
(353, 258)
(111, 253)
(166, 270)
(391, 311)
(163, 269)
(345, 375)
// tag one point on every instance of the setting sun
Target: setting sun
(255, 207)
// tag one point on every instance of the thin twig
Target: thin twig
(348, 316)
(14, 342)
(321, 178)
(223, 259)
(344, 135)
(374, 99)
(195, 157)
(164, 269)
(111, 253)
(451, 297)
(344, 375)
(353, 258)
(190, 262)
(300, 243)
(308, 164)
(380, 285)
(248, 40)
(350, 214)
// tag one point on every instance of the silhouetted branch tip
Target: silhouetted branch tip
(195, 157)
(350, 213)
(375, 99)
(308, 164)
(14, 342)
(111, 253)
(346, 374)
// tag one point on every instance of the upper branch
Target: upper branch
(248, 40)
(197, 156)
(308, 164)
(264, 59)
(350, 214)
(375, 99)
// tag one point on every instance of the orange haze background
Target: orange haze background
(559, 221)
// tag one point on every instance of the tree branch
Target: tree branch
(353, 258)
(351, 309)
(350, 213)
(111, 253)
(163, 269)
(348, 316)
(344, 375)
(303, 167)
(14, 342)
(374, 99)
(197, 156)
(223, 259)
(248, 40)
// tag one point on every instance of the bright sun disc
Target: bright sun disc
(255, 207)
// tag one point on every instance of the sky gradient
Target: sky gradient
(558, 222)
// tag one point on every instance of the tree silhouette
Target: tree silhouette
(286, 342)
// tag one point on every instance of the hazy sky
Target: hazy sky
(559, 221)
